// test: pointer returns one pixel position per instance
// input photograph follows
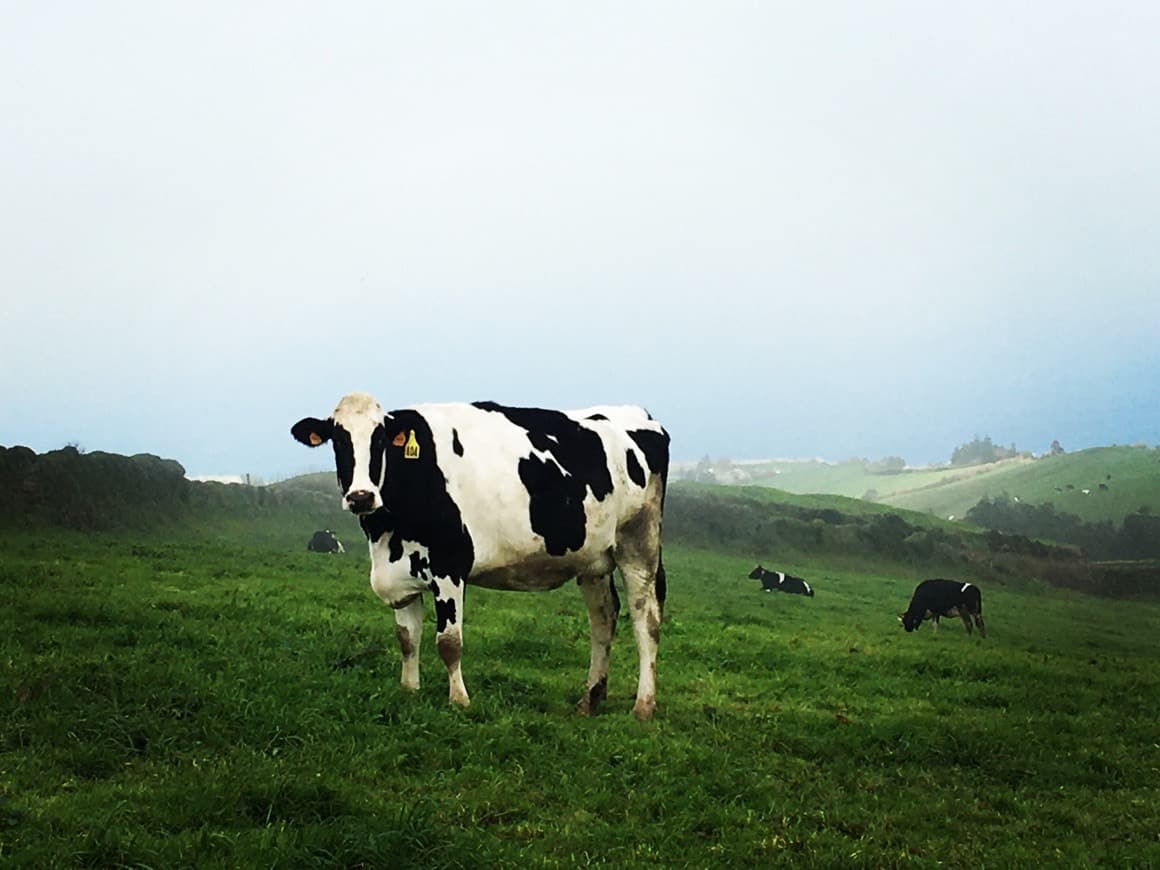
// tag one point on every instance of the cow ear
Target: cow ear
(312, 432)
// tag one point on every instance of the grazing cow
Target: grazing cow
(506, 498)
(780, 582)
(324, 542)
(937, 598)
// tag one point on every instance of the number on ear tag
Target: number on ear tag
(411, 450)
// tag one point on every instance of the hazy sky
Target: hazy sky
(788, 229)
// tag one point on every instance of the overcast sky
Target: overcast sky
(788, 229)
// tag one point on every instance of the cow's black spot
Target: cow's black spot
(557, 505)
(375, 525)
(395, 547)
(635, 472)
(422, 510)
(419, 566)
(654, 446)
(456, 445)
(343, 457)
(444, 613)
(595, 417)
(378, 453)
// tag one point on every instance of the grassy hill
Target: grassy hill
(144, 494)
(855, 479)
(321, 482)
(1130, 479)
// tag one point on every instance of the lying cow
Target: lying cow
(777, 581)
(937, 598)
(506, 498)
(324, 542)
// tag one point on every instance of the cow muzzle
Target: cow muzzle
(360, 501)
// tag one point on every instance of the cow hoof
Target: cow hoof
(593, 696)
(643, 709)
(460, 701)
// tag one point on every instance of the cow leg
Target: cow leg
(603, 609)
(409, 631)
(641, 585)
(979, 623)
(449, 636)
(966, 619)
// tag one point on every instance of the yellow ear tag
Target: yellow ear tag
(315, 439)
(411, 450)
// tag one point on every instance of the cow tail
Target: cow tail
(661, 584)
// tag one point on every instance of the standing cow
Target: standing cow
(506, 498)
(778, 581)
(937, 598)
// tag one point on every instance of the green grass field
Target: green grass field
(1130, 477)
(185, 702)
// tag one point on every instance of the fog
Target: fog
(828, 230)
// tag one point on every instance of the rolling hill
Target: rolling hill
(1118, 481)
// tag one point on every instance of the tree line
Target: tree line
(1137, 536)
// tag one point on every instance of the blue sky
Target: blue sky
(829, 229)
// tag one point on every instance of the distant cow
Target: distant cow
(777, 581)
(451, 495)
(324, 542)
(937, 598)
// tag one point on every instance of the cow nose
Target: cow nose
(360, 501)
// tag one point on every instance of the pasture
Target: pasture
(1130, 477)
(178, 702)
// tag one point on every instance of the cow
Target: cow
(324, 542)
(779, 581)
(456, 494)
(937, 598)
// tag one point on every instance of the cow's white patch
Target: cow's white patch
(359, 414)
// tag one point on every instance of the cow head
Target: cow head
(910, 620)
(756, 573)
(356, 431)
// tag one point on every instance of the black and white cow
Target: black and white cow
(506, 498)
(937, 598)
(324, 542)
(778, 581)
